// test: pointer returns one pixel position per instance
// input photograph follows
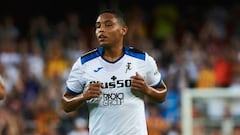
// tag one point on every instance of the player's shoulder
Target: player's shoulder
(89, 55)
(136, 53)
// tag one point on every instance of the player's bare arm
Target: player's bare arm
(2, 89)
(157, 93)
(71, 101)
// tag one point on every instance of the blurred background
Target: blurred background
(196, 46)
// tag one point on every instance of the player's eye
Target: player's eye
(108, 24)
(97, 25)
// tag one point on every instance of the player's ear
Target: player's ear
(124, 30)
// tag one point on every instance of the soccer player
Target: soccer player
(113, 80)
(2, 88)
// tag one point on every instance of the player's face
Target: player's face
(109, 30)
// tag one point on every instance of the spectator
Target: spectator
(80, 125)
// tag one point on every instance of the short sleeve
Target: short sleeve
(153, 76)
(75, 82)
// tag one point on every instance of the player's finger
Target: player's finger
(137, 76)
(139, 82)
(93, 93)
(96, 93)
(136, 85)
(95, 85)
(95, 89)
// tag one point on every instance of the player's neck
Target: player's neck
(113, 53)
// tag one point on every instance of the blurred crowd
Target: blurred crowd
(194, 49)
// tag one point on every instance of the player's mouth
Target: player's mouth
(101, 38)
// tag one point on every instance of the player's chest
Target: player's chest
(113, 75)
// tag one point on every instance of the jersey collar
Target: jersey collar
(101, 49)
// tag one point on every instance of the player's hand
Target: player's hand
(138, 83)
(93, 91)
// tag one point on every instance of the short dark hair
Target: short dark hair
(119, 14)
